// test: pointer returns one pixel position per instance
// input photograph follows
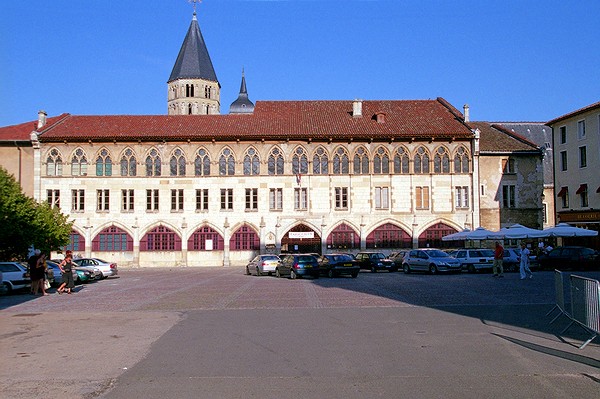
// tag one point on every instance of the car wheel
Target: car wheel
(258, 272)
(373, 269)
(293, 274)
(277, 273)
(247, 271)
(433, 269)
(354, 274)
(8, 287)
(472, 269)
(406, 268)
(330, 273)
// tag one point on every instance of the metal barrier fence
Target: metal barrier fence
(585, 305)
(560, 296)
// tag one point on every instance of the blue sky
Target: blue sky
(510, 60)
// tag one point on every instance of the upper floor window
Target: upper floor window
(508, 166)
(320, 162)
(422, 197)
(401, 161)
(341, 161)
(381, 161)
(462, 197)
(226, 163)
(275, 162)
(382, 195)
(563, 160)
(341, 198)
(153, 163)
(299, 162)
(441, 161)
(563, 134)
(207, 91)
(53, 198)
(461, 160)
(275, 199)
(189, 90)
(54, 163)
(202, 163)
(582, 191)
(582, 157)
(104, 163)
(421, 160)
(361, 161)
(128, 163)
(252, 199)
(251, 162)
(581, 129)
(79, 163)
(508, 196)
(177, 163)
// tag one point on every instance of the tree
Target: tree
(24, 222)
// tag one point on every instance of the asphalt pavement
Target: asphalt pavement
(216, 333)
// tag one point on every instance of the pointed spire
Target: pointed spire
(193, 61)
(242, 105)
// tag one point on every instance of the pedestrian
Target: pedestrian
(41, 268)
(66, 269)
(37, 274)
(32, 264)
(498, 260)
(524, 262)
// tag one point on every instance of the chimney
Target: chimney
(41, 119)
(357, 108)
(466, 112)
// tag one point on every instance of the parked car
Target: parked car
(398, 258)
(475, 260)
(298, 265)
(375, 261)
(108, 269)
(14, 276)
(85, 275)
(430, 260)
(262, 264)
(570, 257)
(510, 263)
(334, 265)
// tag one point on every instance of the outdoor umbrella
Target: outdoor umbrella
(566, 230)
(459, 235)
(479, 233)
(516, 232)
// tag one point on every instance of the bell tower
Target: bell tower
(193, 87)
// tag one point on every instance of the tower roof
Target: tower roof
(193, 61)
(242, 105)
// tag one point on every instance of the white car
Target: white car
(107, 268)
(14, 276)
(474, 260)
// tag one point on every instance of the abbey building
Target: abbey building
(197, 187)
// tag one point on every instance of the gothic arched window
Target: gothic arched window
(320, 162)
(275, 162)
(128, 163)
(54, 163)
(177, 163)
(381, 161)
(251, 162)
(361, 162)
(153, 163)
(226, 163)
(461, 160)
(202, 163)
(401, 161)
(341, 161)
(441, 161)
(104, 163)
(300, 162)
(421, 160)
(79, 163)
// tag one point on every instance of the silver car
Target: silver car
(14, 276)
(108, 269)
(262, 264)
(429, 260)
(474, 260)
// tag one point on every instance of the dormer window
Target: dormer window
(380, 117)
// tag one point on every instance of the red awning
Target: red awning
(581, 189)
(563, 191)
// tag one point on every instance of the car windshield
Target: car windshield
(339, 258)
(484, 252)
(270, 257)
(377, 256)
(436, 253)
(307, 258)
(101, 261)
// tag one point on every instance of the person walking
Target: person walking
(498, 260)
(66, 269)
(40, 272)
(524, 263)
(32, 265)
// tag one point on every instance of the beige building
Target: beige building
(197, 188)
(576, 137)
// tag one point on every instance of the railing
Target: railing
(585, 304)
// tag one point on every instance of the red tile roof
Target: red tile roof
(276, 120)
(496, 138)
(22, 131)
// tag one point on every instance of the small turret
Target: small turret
(242, 105)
